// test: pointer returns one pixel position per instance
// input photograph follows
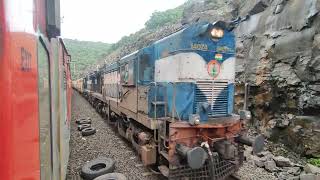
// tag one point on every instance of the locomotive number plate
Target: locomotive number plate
(203, 47)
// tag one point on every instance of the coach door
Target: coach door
(44, 113)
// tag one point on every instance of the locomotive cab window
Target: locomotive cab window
(127, 73)
(44, 112)
(124, 69)
(145, 68)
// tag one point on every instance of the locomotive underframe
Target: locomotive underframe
(156, 140)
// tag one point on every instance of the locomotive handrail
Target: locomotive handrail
(155, 113)
(174, 110)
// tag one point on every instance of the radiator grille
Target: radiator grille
(215, 93)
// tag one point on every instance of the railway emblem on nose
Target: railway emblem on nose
(213, 68)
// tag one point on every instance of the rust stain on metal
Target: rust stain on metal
(192, 136)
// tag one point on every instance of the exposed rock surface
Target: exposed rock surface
(309, 177)
(281, 167)
(278, 53)
(282, 161)
(309, 168)
(270, 166)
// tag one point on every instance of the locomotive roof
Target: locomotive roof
(129, 57)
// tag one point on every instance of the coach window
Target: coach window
(44, 112)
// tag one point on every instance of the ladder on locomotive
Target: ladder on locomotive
(163, 122)
(163, 135)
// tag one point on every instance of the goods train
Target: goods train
(173, 100)
(35, 91)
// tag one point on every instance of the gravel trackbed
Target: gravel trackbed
(104, 143)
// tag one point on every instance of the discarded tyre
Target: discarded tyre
(88, 131)
(83, 126)
(81, 119)
(113, 176)
(97, 167)
(85, 121)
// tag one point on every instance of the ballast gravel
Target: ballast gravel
(105, 142)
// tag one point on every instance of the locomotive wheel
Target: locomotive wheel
(108, 114)
(97, 167)
(88, 131)
(85, 122)
(83, 126)
(113, 176)
(134, 143)
(120, 130)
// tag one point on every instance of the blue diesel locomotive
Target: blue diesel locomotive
(173, 100)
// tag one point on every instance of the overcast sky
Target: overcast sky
(108, 20)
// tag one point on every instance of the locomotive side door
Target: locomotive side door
(145, 77)
(128, 88)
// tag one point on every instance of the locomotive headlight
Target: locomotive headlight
(217, 33)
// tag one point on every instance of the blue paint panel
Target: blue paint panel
(183, 99)
(230, 98)
(183, 40)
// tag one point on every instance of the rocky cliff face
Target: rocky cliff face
(278, 54)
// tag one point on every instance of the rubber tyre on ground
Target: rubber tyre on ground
(97, 167)
(112, 176)
(88, 131)
(87, 121)
(83, 126)
(80, 119)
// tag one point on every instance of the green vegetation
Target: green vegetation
(125, 40)
(85, 54)
(160, 19)
(314, 161)
(156, 21)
